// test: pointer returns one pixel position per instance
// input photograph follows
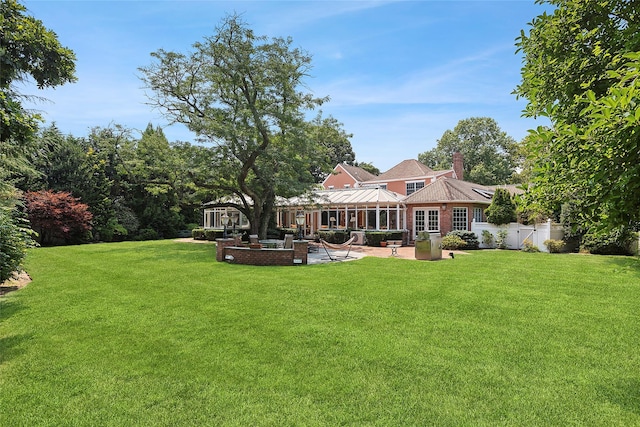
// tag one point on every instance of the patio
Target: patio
(357, 252)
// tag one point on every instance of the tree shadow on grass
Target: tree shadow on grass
(8, 307)
(626, 264)
(625, 394)
(11, 347)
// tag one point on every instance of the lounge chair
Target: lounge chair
(337, 247)
(288, 241)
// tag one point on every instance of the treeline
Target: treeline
(135, 189)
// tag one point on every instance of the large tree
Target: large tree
(27, 50)
(333, 145)
(581, 69)
(243, 93)
(489, 153)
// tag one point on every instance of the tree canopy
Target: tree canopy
(502, 209)
(581, 67)
(489, 153)
(243, 93)
(27, 48)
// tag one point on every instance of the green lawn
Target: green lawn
(159, 334)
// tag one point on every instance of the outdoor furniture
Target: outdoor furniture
(253, 238)
(394, 249)
(312, 246)
(272, 243)
(337, 247)
(288, 241)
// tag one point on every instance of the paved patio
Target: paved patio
(357, 252)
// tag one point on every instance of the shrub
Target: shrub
(502, 210)
(334, 236)
(14, 241)
(554, 246)
(501, 238)
(288, 230)
(212, 235)
(452, 242)
(147, 234)
(528, 246)
(487, 238)
(614, 242)
(470, 239)
(58, 217)
(375, 237)
(198, 233)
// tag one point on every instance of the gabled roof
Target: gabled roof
(451, 190)
(359, 174)
(350, 196)
(406, 170)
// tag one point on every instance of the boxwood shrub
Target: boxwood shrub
(470, 238)
(334, 236)
(198, 234)
(554, 246)
(453, 242)
(374, 238)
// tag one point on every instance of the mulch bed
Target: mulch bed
(18, 282)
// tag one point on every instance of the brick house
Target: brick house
(346, 176)
(408, 197)
(404, 178)
(445, 205)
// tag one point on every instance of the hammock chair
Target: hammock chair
(338, 247)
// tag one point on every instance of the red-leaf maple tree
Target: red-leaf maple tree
(57, 217)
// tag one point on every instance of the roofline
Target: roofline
(412, 178)
(344, 169)
(484, 202)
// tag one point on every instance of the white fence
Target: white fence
(518, 233)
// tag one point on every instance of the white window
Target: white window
(426, 220)
(478, 214)
(460, 219)
(347, 186)
(414, 186)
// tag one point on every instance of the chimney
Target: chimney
(458, 165)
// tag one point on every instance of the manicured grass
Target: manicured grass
(158, 333)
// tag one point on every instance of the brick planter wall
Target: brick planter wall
(227, 252)
(220, 245)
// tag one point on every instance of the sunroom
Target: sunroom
(354, 209)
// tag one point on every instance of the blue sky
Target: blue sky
(399, 73)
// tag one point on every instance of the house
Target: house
(364, 208)
(404, 178)
(409, 176)
(346, 176)
(447, 204)
(408, 197)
